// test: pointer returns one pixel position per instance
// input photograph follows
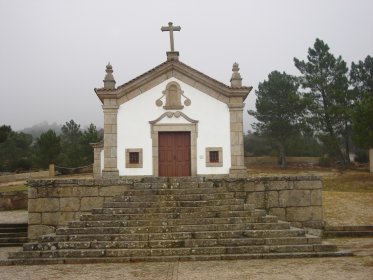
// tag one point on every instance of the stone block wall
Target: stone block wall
(296, 199)
(53, 203)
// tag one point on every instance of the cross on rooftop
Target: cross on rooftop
(171, 29)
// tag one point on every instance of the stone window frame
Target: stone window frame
(134, 165)
(207, 156)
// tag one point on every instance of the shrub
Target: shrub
(324, 162)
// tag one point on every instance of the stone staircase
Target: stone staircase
(13, 235)
(160, 221)
(348, 231)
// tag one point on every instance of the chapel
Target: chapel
(171, 121)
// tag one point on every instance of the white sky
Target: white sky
(53, 53)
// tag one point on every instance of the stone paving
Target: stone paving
(346, 268)
(14, 217)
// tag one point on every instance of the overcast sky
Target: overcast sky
(53, 53)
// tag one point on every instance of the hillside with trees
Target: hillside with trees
(71, 148)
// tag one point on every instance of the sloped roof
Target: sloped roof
(170, 67)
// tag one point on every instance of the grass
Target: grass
(13, 188)
(350, 181)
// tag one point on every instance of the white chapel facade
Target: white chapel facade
(171, 121)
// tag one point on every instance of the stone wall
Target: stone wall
(53, 203)
(296, 199)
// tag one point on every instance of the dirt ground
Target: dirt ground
(348, 208)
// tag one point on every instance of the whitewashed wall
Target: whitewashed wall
(134, 127)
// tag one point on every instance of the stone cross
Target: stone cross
(171, 28)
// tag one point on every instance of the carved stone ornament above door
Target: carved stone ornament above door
(173, 94)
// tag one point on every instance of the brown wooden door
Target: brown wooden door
(174, 154)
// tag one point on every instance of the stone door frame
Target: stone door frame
(192, 128)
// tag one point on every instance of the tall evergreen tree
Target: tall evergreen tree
(71, 149)
(325, 79)
(361, 77)
(90, 135)
(15, 152)
(47, 148)
(5, 130)
(279, 109)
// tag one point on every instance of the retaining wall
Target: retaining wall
(296, 199)
(53, 203)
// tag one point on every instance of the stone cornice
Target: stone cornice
(165, 71)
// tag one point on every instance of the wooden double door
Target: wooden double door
(174, 154)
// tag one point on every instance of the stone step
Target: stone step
(11, 229)
(134, 220)
(8, 225)
(146, 204)
(152, 216)
(13, 234)
(86, 236)
(167, 228)
(121, 204)
(165, 222)
(348, 231)
(12, 244)
(172, 191)
(345, 233)
(175, 258)
(127, 197)
(159, 209)
(170, 243)
(8, 240)
(197, 231)
(224, 250)
(173, 182)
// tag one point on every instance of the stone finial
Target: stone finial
(109, 82)
(236, 80)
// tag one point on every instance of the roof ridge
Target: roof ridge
(168, 62)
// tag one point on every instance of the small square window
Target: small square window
(134, 157)
(214, 156)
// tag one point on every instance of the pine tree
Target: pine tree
(279, 110)
(324, 78)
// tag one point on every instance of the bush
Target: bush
(361, 156)
(325, 162)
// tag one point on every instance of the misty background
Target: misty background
(53, 53)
